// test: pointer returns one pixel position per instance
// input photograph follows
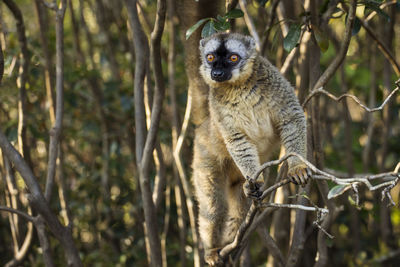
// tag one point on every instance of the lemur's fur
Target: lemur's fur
(253, 110)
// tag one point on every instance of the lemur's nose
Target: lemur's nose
(217, 73)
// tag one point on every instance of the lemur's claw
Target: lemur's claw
(211, 256)
(254, 192)
(299, 174)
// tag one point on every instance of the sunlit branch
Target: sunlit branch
(390, 179)
(354, 98)
(250, 24)
(382, 6)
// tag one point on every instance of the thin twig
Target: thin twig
(292, 55)
(322, 91)
(254, 208)
(183, 177)
(269, 26)
(334, 65)
(386, 52)
(250, 24)
(24, 215)
(382, 6)
(55, 132)
(294, 206)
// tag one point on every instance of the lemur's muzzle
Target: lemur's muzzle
(219, 75)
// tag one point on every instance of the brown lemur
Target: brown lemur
(253, 110)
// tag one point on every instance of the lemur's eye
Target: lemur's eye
(234, 58)
(210, 57)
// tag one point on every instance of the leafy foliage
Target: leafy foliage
(212, 26)
(292, 38)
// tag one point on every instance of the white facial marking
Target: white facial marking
(211, 46)
(237, 47)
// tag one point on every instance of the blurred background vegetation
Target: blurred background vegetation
(98, 138)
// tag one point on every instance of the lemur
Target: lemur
(253, 110)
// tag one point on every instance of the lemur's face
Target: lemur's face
(226, 57)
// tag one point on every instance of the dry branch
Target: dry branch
(183, 177)
(55, 132)
(292, 55)
(337, 99)
(22, 79)
(334, 65)
(389, 180)
(386, 52)
(269, 26)
(382, 6)
(24, 215)
(250, 24)
(144, 153)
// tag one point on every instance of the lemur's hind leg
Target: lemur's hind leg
(209, 184)
(238, 204)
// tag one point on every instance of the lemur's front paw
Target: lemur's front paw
(211, 256)
(252, 190)
(299, 174)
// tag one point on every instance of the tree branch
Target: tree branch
(390, 179)
(24, 215)
(386, 52)
(55, 132)
(250, 24)
(337, 99)
(324, 78)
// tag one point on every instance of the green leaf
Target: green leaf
(356, 27)
(337, 190)
(374, 5)
(191, 30)
(292, 37)
(208, 29)
(322, 39)
(234, 14)
(222, 19)
(221, 25)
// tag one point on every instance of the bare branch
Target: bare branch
(155, 51)
(250, 24)
(292, 55)
(391, 179)
(22, 79)
(272, 247)
(295, 206)
(183, 177)
(144, 156)
(322, 91)
(382, 6)
(269, 26)
(55, 132)
(24, 215)
(386, 52)
(323, 79)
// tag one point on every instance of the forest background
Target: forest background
(98, 105)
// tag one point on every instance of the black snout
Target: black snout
(220, 75)
(217, 74)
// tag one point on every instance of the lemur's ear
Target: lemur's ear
(250, 42)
